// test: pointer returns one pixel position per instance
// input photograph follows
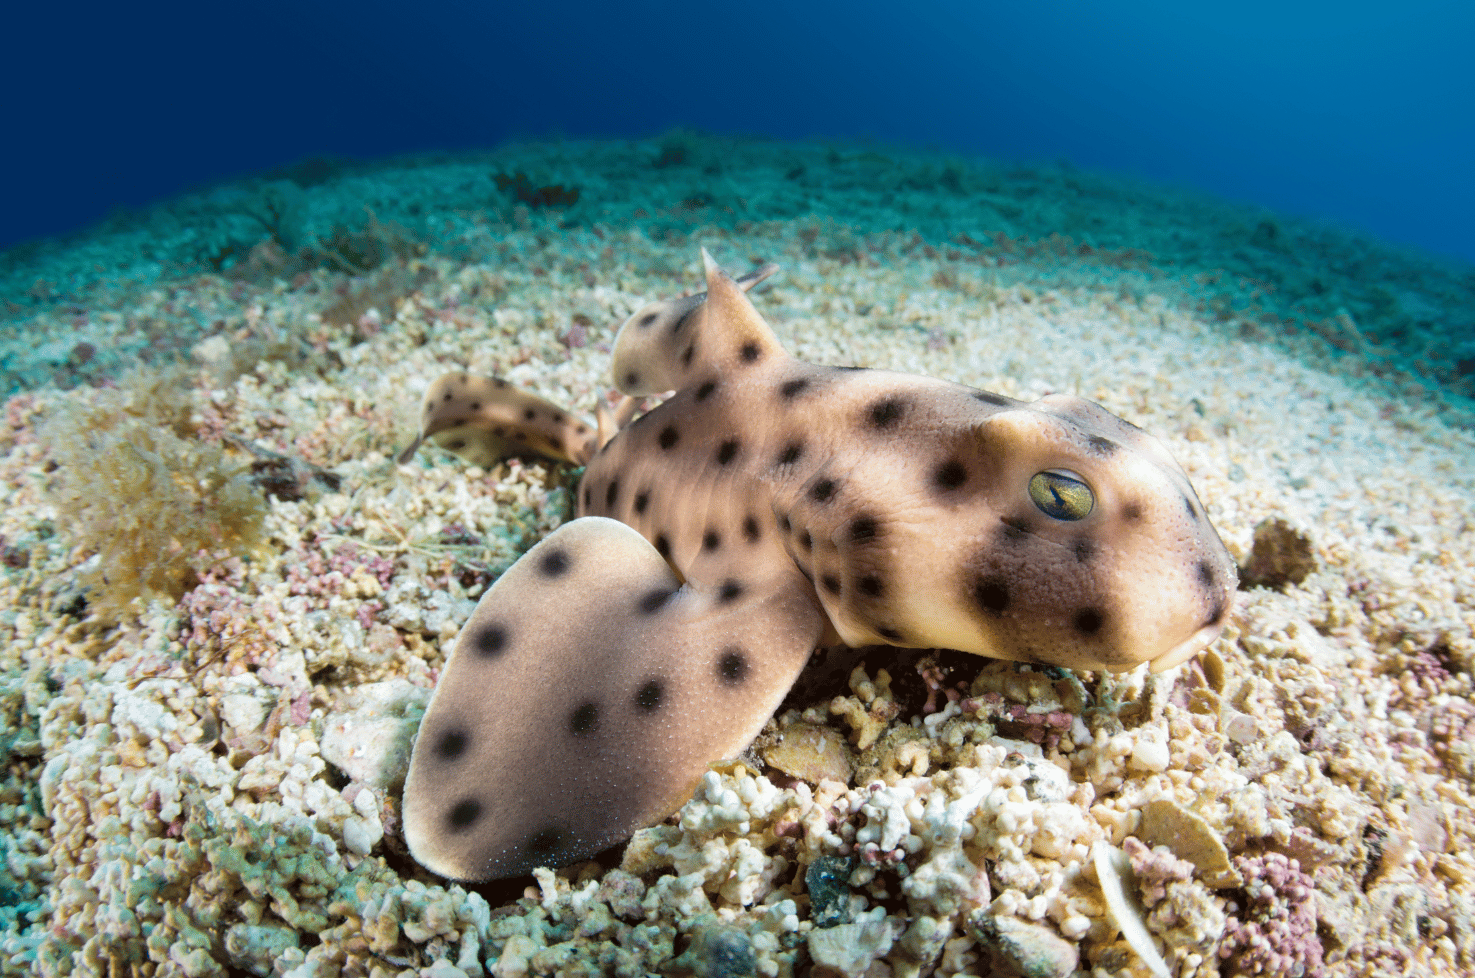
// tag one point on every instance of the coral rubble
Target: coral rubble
(204, 730)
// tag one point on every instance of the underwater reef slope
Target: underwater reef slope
(223, 605)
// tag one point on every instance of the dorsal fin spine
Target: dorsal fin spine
(728, 300)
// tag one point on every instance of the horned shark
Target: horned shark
(765, 508)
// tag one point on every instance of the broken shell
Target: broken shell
(810, 753)
(1188, 836)
(1113, 870)
(1022, 948)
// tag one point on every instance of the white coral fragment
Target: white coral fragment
(847, 950)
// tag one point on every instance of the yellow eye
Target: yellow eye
(1061, 495)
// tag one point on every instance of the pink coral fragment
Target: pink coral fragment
(1275, 934)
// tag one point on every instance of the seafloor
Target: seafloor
(224, 605)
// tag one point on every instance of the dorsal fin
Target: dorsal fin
(666, 343)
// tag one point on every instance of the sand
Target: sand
(203, 781)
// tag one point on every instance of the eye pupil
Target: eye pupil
(1061, 495)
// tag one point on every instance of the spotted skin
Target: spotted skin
(550, 737)
(768, 506)
(485, 420)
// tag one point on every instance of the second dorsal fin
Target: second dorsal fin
(666, 343)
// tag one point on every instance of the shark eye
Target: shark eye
(1061, 495)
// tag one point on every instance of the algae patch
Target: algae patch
(136, 486)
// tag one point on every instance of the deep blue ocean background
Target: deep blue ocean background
(1362, 114)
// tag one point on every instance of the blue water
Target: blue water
(1362, 114)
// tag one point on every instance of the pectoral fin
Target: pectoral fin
(586, 696)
